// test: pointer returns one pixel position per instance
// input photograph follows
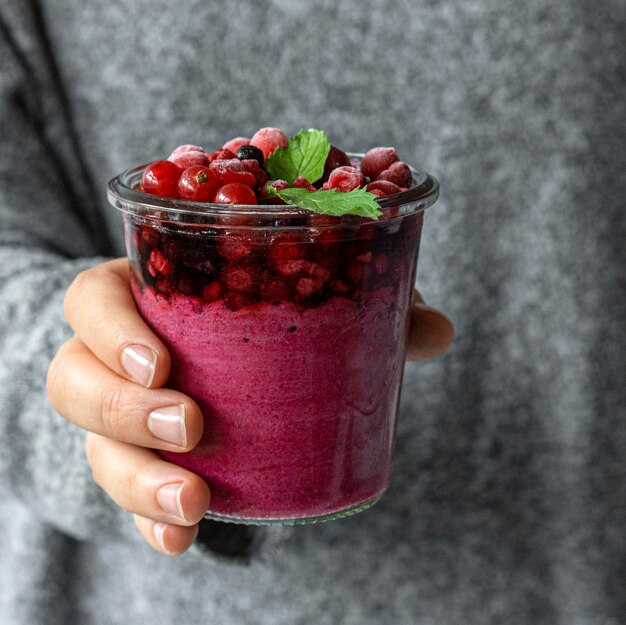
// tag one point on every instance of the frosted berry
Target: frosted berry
(246, 152)
(161, 178)
(221, 155)
(235, 193)
(269, 139)
(181, 149)
(234, 144)
(398, 173)
(198, 184)
(344, 179)
(302, 183)
(189, 158)
(377, 160)
(237, 279)
(232, 171)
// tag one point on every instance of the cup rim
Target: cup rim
(123, 194)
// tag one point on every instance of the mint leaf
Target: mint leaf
(304, 155)
(332, 202)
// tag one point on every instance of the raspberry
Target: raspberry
(344, 179)
(235, 193)
(234, 144)
(336, 158)
(308, 286)
(220, 155)
(273, 289)
(234, 247)
(198, 184)
(247, 152)
(161, 178)
(279, 185)
(189, 158)
(181, 149)
(384, 187)
(186, 284)
(377, 160)
(269, 139)
(237, 279)
(159, 263)
(398, 173)
(150, 235)
(302, 183)
(261, 178)
(236, 301)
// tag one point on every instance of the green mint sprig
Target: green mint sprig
(304, 155)
(332, 202)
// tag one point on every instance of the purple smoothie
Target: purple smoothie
(298, 404)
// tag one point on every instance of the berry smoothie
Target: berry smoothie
(288, 327)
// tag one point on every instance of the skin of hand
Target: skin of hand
(109, 379)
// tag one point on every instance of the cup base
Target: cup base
(296, 520)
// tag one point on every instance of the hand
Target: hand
(108, 380)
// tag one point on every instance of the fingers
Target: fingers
(172, 540)
(100, 308)
(431, 332)
(167, 501)
(87, 393)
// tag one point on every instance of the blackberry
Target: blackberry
(251, 152)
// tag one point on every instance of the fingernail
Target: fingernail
(159, 530)
(168, 497)
(139, 362)
(168, 424)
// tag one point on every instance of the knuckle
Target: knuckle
(112, 412)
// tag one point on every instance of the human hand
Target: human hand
(108, 380)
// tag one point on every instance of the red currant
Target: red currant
(161, 178)
(235, 193)
(198, 184)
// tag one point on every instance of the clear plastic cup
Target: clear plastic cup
(289, 329)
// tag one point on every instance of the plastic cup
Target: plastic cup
(289, 329)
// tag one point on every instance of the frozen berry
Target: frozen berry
(261, 178)
(150, 235)
(234, 144)
(398, 173)
(269, 139)
(336, 158)
(189, 158)
(302, 183)
(377, 160)
(267, 196)
(235, 193)
(308, 286)
(246, 152)
(384, 186)
(344, 179)
(237, 279)
(221, 155)
(181, 149)
(198, 184)
(159, 263)
(234, 247)
(161, 178)
(232, 171)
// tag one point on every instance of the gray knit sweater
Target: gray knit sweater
(508, 501)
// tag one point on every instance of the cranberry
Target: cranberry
(336, 158)
(377, 160)
(235, 193)
(385, 187)
(344, 179)
(161, 178)
(302, 183)
(199, 184)
(398, 173)
(247, 152)
(269, 139)
(234, 144)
